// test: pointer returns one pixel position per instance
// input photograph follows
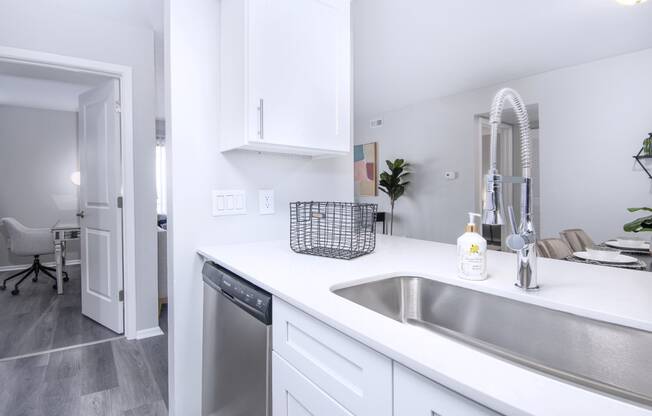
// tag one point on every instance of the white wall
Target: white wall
(196, 167)
(38, 152)
(593, 118)
(47, 27)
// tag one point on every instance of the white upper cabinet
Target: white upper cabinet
(285, 79)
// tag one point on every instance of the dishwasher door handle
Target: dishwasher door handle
(244, 306)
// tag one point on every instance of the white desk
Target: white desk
(62, 233)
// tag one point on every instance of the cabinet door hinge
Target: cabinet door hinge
(119, 202)
(121, 296)
(117, 107)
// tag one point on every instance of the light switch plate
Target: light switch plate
(229, 202)
(266, 201)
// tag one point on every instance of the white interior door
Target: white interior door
(101, 223)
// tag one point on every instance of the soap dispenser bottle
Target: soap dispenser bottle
(472, 252)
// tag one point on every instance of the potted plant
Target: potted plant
(640, 224)
(647, 145)
(393, 183)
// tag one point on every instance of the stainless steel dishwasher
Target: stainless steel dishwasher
(237, 346)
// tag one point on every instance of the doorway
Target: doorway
(98, 299)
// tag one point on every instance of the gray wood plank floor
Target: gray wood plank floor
(112, 378)
(39, 320)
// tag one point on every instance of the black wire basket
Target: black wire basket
(341, 230)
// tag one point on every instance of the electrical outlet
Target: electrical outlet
(229, 202)
(266, 201)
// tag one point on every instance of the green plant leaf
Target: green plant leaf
(392, 182)
(639, 209)
(640, 224)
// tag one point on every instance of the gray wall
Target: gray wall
(65, 33)
(38, 152)
(592, 119)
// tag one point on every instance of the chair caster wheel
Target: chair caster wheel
(15, 292)
(35, 279)
(65, 279)
(54, 287)
(3, 287)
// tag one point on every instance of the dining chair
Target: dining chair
(577, 239)
(553, 248)
(25, 241)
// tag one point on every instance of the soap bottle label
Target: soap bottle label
(472, 262)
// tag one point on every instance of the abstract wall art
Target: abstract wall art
(365, 169)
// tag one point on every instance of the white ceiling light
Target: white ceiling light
(631, 2)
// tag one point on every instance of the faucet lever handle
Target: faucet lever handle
(512, 219)
(514, 241)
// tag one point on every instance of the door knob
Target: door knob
(80, 214)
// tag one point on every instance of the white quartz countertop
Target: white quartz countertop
(615, 295)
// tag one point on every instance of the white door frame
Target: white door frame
(124, 74)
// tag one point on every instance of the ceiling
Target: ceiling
(43, 94)
(23, 70)
(407, 51)
(33, 86)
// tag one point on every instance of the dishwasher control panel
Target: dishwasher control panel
(256, 301)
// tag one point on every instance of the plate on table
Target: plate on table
(616, 259)
(629, 244)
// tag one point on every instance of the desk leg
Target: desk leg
(58, 255)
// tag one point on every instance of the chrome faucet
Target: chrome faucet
(523, 238)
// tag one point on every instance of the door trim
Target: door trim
(124, 74)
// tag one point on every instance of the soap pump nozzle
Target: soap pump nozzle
(471, 227)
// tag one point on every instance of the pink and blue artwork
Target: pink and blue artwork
(365, 169)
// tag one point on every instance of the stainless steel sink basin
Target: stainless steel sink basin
(613, 359)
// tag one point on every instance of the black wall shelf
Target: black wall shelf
(639, 159)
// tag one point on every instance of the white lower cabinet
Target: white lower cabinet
(319, 371)
(294, 395)
(352, 374)
(415, 395)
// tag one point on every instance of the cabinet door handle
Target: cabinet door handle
(261, 120)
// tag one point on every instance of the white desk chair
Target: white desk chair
(24, 241)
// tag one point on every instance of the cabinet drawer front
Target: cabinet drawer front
(357, 377)
(416, 395)
(294, 395)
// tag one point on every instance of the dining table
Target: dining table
(643, 257)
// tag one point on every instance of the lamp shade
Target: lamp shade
(75, 177)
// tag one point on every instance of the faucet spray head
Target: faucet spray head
(492, 212)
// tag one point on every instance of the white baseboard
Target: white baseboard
(149, 332)
(17, 267)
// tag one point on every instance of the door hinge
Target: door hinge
(119, 202)
(121, 296)
(117, 107)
